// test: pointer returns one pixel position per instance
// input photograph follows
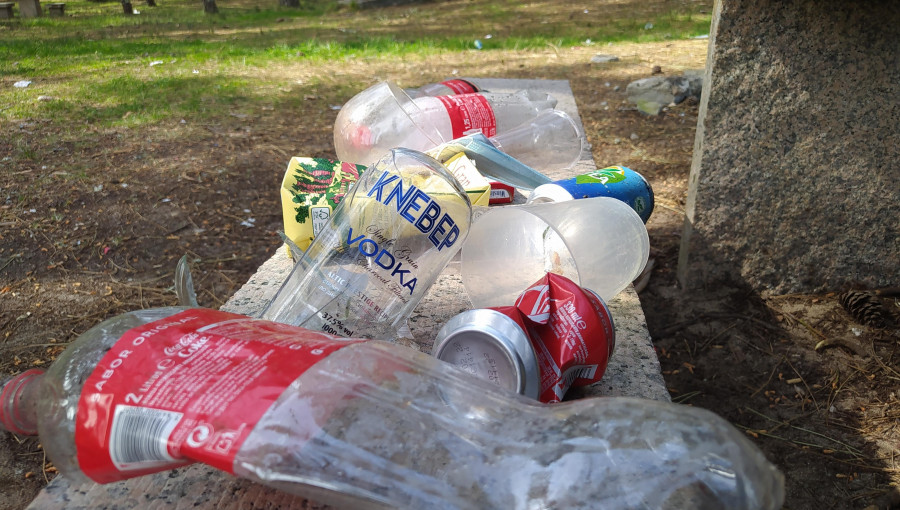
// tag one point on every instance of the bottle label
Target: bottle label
(187, 388)
(469, 113)
(460, 86)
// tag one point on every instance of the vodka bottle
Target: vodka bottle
(383, 117)
(364, 424)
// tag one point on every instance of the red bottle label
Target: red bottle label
(460, 86)
(469, 112)
(187, 388)
(571, 331)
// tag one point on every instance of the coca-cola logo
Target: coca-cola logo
(534, 303)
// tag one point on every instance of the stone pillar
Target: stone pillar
(795, 181)
(30, 8)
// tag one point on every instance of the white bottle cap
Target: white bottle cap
(548, 193)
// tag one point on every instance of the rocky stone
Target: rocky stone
(793, 185)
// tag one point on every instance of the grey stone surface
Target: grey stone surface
(633, 371)
(795, 183)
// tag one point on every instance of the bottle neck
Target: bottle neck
(18, 403)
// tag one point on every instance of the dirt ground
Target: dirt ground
(92, 225)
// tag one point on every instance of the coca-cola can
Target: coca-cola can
(558, 335)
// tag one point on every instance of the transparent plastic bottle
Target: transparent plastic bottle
(383, 117)
(378, 425)
(448, 87)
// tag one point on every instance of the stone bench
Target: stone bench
(56, 9)
(633, 371)
(6, 10)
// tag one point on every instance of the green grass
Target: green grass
(94, 65)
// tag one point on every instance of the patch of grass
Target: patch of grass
(96, 64)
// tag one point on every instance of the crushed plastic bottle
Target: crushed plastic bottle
(364, 424)
(448, 87)
(383, 117)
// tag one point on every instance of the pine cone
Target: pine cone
(864, 307)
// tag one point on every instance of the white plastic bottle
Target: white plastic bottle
(365, 424)
(383, 117)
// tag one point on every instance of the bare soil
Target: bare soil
(93, 221)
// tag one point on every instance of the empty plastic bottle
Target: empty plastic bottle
(383, 117)
(450, 87)
(364, 424)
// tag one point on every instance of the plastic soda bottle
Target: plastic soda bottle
(449, 87)
(364, 424)
(384, 116)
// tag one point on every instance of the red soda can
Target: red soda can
(556, 336)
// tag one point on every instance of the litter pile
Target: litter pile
(314, 397)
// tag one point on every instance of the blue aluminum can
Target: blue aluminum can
(619, 182)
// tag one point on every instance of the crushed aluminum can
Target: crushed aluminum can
(558, 335)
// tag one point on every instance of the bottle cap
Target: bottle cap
(548, 193)
(491, 346)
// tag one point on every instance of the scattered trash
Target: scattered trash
(46, 98)
(310, 191)
(184, 283)
(554, 323)
(634, 136)
(488, 36)
(98, 188)
(704, 36)
(249, 223)
(498, 261)
(603, 59)
(619, 182)
(447, 88)
(156, 63)
(653, 93)
(478, 44)
(22, 84)
(384, 116)
(195, 71)
(397, 426)
(353, 280)
(648, 26)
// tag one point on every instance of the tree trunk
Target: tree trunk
(289, 3)
(127, 8)
(151, 3)
(209, 7)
